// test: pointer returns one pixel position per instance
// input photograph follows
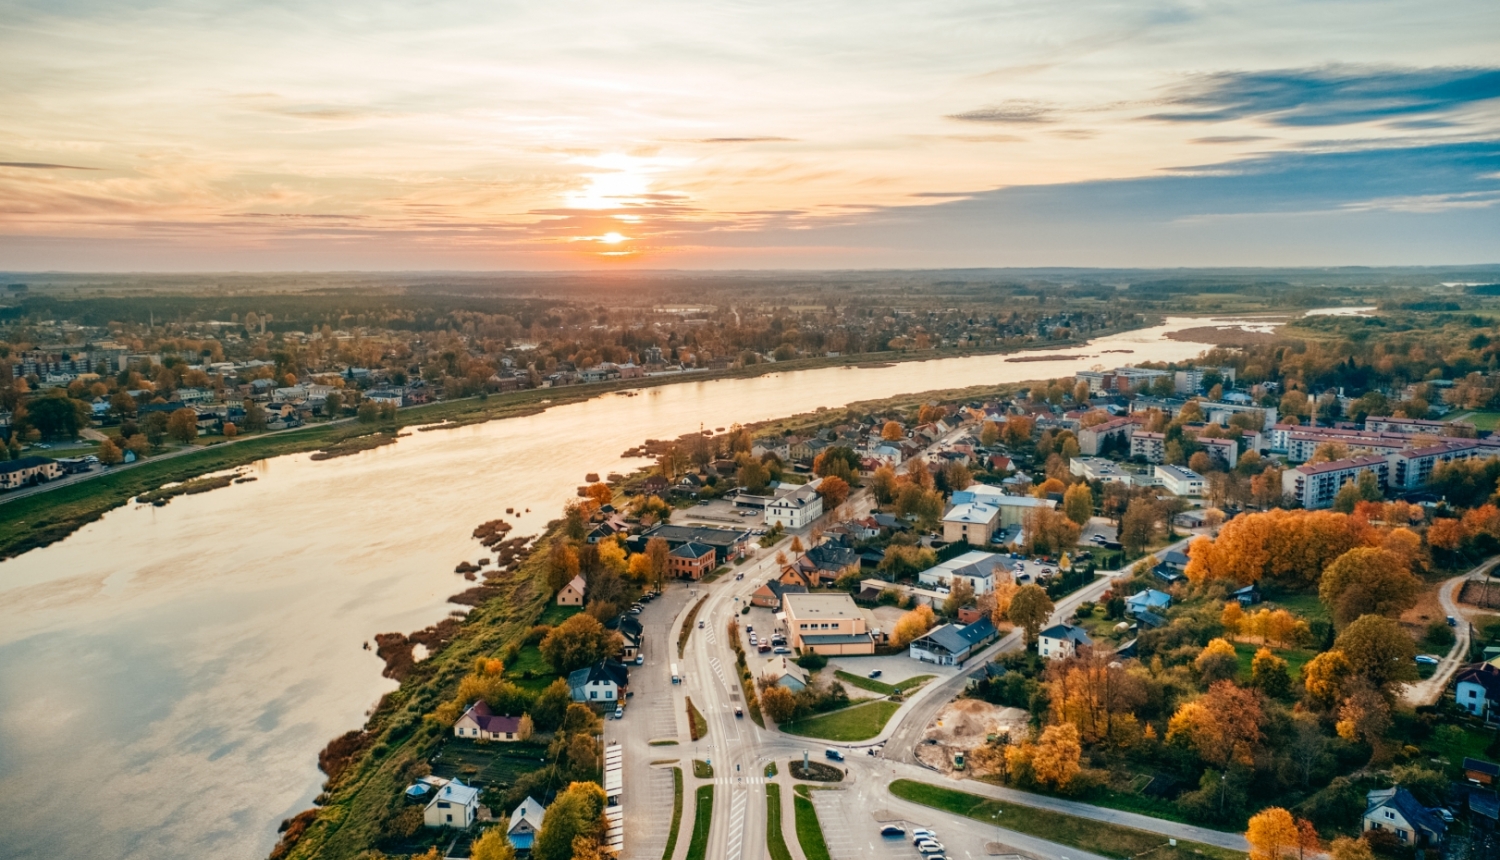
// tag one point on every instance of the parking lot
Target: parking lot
(854, 834)
(721, 512)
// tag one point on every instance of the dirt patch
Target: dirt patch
(1223, 335)
(816, 771)
(965, 724)
(1475, 594)
(1428, 609)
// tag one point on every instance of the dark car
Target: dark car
(892, 830)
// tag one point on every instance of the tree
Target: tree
(1365, 489)
(182, 425)
(110, 453)
(884, 484)
(1030, 609)
(961, 594)
(122, 404)
(333, 404)
(56, 415)
(578, 811)
(753, 476)
(1344, 848)
(1272, 834)
(255, 417)
(1138, 525)
(1222, 725)
(155, 428)
(658, 550)
(778, 703)
(1078, 503)
(526, 727)
(834, 490)
(1268, 673)
(1217, 662)
(989, 434)
(957, 476)
(1017, 430)
(1055, 761)
(562, 564)
(1324, 678)
(1049, 531)
(1368, 581)
(368, 412)
(1047, 488)
(230, 431)
(548, 709)
(1379, 651)
(492, 846)
(578, 642)
(892, 432)
(912, 625)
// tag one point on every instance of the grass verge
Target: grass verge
(881, 687)
(1109, 840)
(676, 813)
(698, 847)
(687, 626)
(809, 832)
(663, 743)
(696, 721)
(857, 723)
(702, 769)
(775, 841)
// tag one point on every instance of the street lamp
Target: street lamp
(996, 816)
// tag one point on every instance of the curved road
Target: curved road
(1428, 691)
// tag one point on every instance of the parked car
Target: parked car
(781, 649)
(1452, 622)
(1428, 660)
(892, 830)
(619, 712)
(929, 847)
(922, 833)
(640, 659)
(875, 673)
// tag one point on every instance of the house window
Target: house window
(450, 817)
(1389, 815)
(593, 694)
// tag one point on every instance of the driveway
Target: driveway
(1428, 691)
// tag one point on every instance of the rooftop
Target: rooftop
(809, 606)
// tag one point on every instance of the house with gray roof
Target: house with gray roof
(603, 682)
(1397, 811)
(525, 824)
(1062, 641)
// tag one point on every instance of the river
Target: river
(168, 675)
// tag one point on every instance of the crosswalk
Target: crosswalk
(736, 843)
(740, 780)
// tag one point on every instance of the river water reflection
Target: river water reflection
(168, 675)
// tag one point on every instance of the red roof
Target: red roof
(488, 721)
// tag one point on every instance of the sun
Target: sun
(612, 238)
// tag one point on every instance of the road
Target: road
(1428, 691)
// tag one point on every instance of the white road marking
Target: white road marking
(737, 809)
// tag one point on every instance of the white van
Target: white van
(676, 678)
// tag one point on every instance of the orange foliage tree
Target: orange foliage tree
(1222, 726)
(1290, 548)
(1272, 834)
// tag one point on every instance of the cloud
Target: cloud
(1017, 112)
(1330, 95)
(767, 139)
(1231, 138)
(35, 165)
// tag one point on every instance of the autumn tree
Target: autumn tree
(492, 846)
(1049, 532)
(961, 594)
(1289, 548)
(230, 431)
(1368, 581)
(1098, 695)
(989, 434)
(110, 453)
(1272, 835)
(1345, 848)
(1365, 716)
(578, 811)
(1138, 525)
(578, 642)
(1017, 430)
(1030, 609)
(1078, 503)
(884, 484)
(778, 703)
(1055, 758)
(1268, 673)
(957, 477)
(600, 493)
(834, 490)
(1379, 651)
(1324, 678)
(562, 564)
(659, 552)
(753, 476)
(1048, 487)
(182, 425)
(1217, 662)
(912, 625)
(1222, 725)
(892, 432)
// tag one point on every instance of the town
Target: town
(1104, 606)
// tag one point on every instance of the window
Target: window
(449, 817)
(593, 694)
(1389, 815)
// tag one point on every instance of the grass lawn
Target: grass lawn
(809, 832)
(687, 626)
(1109, 840)
(857, 723)
(531, 671)
(1305, 604)
(664, 743)
(1454, 749)
(702, 769)
(1482, 420)
(881, 687)
(676, 813)
(698, 847)
(775, 841)
(1295, 659)
(556, 615)
(697, 720)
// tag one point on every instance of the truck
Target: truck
(676, 678)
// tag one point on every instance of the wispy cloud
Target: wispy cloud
(1017, 112)
(36, 165)
(1330, 95)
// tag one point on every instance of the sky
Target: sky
(274, 136)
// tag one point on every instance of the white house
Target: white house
(1180, 481)
(572, 593)
(1477, 689)
(1062, 641)
(480, 723)
(525, 824)
(604, 681)
(795, 507)
(976, 568)
(1396, 810)
(453, 805)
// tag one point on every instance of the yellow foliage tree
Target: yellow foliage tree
(492, 846)
(1272, 834)
(1232, 617)
(1217, 661)
(1324, 677)
(912, 625)
(1054, 762)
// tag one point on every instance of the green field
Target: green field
(698, 848)
(488, 763)
(857, 723)
(884, 689)
(1295, 659)
(1482, 420)
(809, 832)
(531, 671)
(676, 813)
(1109, 840)
(775, 840)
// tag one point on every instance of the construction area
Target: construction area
(963, 725)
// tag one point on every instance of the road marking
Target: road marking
(737, 780)
(737, 809)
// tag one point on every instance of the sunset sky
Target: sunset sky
(373, 135)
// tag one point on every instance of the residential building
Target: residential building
(975, 568)
(1226, 451)
(1314, 485)
(1093, 440)
(1477, 689)
(947, 645)
(785, 673)
(632, 634)
(828, 561)
(525, 824)
(1062, 641)
(795, 507)
(572, 593)
(1396, 810)
(728, 543)
(1013, 509)
(692, 560)
(1302, 443)
(1148, 600)
(1098, 469)
(1413, 467)
(1386, 424)
(971, 522)
(480, 723)
(771, 593)
(27, 471)
(1179, 480)
(826, 624)
(602, 682)
(1152, 447)
(452, 805)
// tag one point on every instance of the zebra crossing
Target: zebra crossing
(740, 780)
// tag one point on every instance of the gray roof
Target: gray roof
(836, 638)
(1403, 802)
(979, 631)
(529, 811)
(946, 638)
(1064, 631)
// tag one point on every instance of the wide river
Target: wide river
(168, 675)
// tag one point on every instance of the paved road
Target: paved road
(1428, 691)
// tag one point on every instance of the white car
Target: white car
(922, 833)
(927, 846)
